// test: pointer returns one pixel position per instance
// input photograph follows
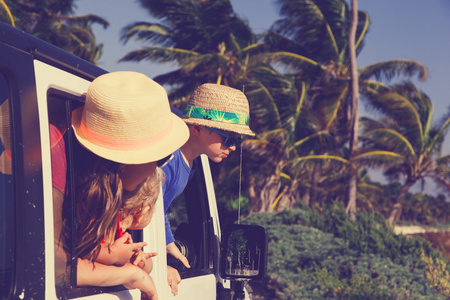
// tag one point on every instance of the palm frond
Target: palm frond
(160, 55)
(148, 32)
(378, 158)
(292, 60)
(363, 28)
(400, 108)
(391, 139)
(87, 20)
(392, 68)
(319, 159)
(8, 12)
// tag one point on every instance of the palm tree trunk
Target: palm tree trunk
(289, 197)
(252, 197)
(254, 201)
(351, 205)
(269, 192)
(313, 195)
(396, 210)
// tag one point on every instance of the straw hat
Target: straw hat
(219, 106)
(127, 119)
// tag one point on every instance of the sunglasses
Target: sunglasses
(163, 161)
(228, 140)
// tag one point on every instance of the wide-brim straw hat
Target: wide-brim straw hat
(127, 119)
(219, 106)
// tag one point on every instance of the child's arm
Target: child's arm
(95, 274)
(120, 252)
(173, 250)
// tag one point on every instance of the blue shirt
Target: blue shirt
(177, 174)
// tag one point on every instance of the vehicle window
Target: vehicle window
(58, 120)
(191, 226)
(60, 106)
(6, 194)
(177, 213)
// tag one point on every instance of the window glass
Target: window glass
(186, 236)
(177, 213)
(57, 128)
(6, 194)
(191, 226)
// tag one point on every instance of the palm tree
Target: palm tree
(53, 21)
(205, 39)
(351, 206)
(312, 43)
(289, 163)
(209, 43)
(404, 141)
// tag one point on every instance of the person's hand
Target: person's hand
(143, 282)
(173, 278)
(141, 259)
(123, 249)
(173, 250)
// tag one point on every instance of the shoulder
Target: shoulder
(174, 164)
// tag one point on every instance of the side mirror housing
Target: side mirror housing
(243, 253)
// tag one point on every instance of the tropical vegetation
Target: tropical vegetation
(54, 21)
(206, 40)
(297, 77)
(325, 255)
(404, 139)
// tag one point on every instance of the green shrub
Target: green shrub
(437, 273)
(341, 259)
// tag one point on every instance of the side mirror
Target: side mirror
(243, 252)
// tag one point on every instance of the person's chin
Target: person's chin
(218, 159)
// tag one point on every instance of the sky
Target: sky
(400, 29)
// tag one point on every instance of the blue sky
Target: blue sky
(400, 29)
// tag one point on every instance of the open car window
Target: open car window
(192, 227)
(60, 106)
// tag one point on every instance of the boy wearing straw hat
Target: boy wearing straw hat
(217, 117)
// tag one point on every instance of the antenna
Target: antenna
(240, 176)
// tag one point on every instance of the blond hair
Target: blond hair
(144, 195)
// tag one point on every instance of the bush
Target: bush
(341, 259)
(437, 273)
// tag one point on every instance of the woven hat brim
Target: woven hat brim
(238, 128)
(177, 136)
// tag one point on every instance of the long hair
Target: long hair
(98, 190)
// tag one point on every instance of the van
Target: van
(41, 85)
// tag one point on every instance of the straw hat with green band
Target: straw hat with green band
(219, 106)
